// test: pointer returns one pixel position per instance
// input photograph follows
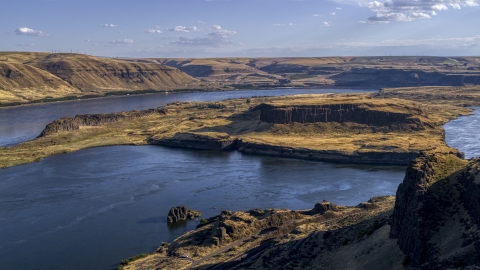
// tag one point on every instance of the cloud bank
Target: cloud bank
(184, 29)
(121, 42)
(409, 10)
(25, 31)
(153, 31)
(108, 25)
(218, 38)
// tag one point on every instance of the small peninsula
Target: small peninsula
(346, 128)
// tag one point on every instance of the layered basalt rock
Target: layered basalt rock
(358, 157)
(358, 113)
(180, 213)
(436, 217)
(90, 120)
(198, 141)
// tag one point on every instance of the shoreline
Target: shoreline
(81, 98)
(241, 124)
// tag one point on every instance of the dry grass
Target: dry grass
(236, 120)
(436, 95)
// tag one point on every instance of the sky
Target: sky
(242, 28)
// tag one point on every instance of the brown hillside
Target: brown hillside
(89, 73)
(21, 83)
(31, 77)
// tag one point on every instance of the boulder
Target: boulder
(181, 213)
(322, 207)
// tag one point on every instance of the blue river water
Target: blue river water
(92, 208)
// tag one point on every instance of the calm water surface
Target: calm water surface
(464, 134)
(92, 208)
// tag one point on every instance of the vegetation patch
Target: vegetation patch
(300, 76)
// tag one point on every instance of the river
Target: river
(92, 208)
(21, 124)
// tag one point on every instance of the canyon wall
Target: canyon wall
(338, 113)
(436, 218)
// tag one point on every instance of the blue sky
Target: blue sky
(242, 28)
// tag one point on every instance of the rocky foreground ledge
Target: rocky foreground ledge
(432, 223)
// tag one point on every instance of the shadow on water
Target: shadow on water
(161, 219)
(175, 226)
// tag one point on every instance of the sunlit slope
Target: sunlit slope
(21, 83)
(89, 73)
(28, 77)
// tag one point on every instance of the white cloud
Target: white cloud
(333, 13)
(219, 38)
(26, 44)
(121, 42)
(326, 24)
(25, 31)
(184, 29)
(316, 15)
(108, 25)
(409, 10)
(153, 31)
(284, 24)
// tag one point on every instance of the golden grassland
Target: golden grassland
(436, 95)
(29, 77)
(235, 119)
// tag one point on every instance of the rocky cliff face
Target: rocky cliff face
(436, 214)
(198, 141)
(399, 78)
(69, 123)
(385, 157)
(338, 113)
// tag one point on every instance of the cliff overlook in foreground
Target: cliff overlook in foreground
(432, 223)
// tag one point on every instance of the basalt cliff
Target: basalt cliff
(338, 128)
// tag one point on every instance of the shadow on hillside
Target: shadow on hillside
(242, 123)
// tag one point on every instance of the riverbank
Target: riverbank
(432, 221)
(246, 125)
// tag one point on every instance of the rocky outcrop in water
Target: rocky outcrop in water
(69, 123)
(180, 213)
(358, 113)
(436, 216)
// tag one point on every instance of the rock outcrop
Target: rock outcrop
(198, 141)
(436, 216)
(180, 213)
(358, 113)
(385, 157)
(89, 120)
(322, 207)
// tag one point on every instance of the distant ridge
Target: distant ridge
(25, 77)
